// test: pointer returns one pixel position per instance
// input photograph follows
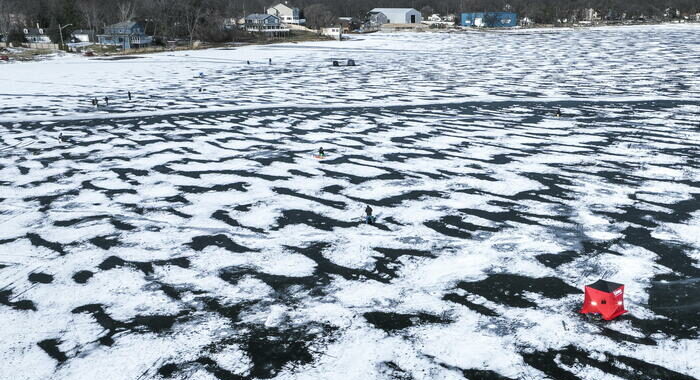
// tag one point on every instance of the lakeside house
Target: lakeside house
(82, 36)
(267, 24)
(286, 13)
(36, 36)
(81, 39)
(490, 19)
(349, 24)
(128, 35)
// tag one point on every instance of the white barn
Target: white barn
(396, 16)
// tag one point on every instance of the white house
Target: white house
(380, 16)
(286, 14)
(335, 32)
(82, 35)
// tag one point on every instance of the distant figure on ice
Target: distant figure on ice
(369, 218)
(129, 93)
(248, 62)
(60, 137)
(321, 152)
(96, 102)
(269, 61)
(558, 112)
(106, 101)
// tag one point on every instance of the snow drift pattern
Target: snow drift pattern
(214, 245)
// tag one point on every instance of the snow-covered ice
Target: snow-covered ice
(192, 234)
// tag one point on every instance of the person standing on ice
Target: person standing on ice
(558, 112)
(269, 61)
(106, 101)
(129, 93)
(369, 218)
(321, 152)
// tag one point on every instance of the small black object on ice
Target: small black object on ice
(337, 62)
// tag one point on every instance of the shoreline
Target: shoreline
(25, 55)
(43, 54)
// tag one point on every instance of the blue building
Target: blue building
(126, 35)
(490, 19)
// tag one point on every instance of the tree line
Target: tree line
(206, 19)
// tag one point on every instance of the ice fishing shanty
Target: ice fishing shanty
(337, 62)
(605, 298)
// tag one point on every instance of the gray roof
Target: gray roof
(391, 10)
(283, 4)
(259, 16)
(124, 24)
(33, 32)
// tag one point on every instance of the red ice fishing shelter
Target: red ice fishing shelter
(605, 298)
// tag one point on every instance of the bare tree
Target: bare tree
(192, 12)
(90, 10)
(126, 10)
(5, 18)
(318, 16)
(427, 11)
(162, 14)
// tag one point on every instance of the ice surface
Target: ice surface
(190, 235)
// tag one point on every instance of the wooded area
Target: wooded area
(204, 19)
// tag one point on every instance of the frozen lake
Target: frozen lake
(190, 233)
